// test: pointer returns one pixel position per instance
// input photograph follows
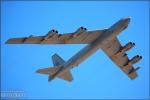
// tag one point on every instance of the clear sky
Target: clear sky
(97, 77)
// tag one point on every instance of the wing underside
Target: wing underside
(67, 38)
(111, 49)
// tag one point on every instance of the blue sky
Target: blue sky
(97, 77)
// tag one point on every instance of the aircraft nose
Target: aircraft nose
(127, 19)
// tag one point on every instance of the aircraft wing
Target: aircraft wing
(81, 37)
(121, 60)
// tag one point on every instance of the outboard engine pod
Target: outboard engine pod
(135, 59)
(50, 34)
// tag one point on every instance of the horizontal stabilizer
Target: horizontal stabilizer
(66, 76)
(50, 70)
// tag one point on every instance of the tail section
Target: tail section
(57, 60)
(66, 76)
(54, 71)
(50, 70)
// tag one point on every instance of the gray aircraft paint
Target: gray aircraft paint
(105, 39)
(83, 54)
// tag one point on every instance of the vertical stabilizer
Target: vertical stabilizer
(57, 60)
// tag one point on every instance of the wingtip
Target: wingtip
(37, 71)
(7, 42)
(133, 75)
(49, 80)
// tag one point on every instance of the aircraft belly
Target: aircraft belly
(81, 56)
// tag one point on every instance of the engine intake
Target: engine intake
(125, 48)
(79, 31)
(50, 34)
(135, 59)
(128, 46)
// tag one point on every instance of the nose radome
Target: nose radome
(127, 18)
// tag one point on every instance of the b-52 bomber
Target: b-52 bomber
(105, 39)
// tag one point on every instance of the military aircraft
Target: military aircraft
(105, 39)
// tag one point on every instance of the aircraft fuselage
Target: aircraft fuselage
(87, 51)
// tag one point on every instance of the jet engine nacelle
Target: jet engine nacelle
(51, 34)
(135, 59)
(79, 31)
(125, 48)
(128, 46)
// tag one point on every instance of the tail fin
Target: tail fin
(57, 60)
(52, 71)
